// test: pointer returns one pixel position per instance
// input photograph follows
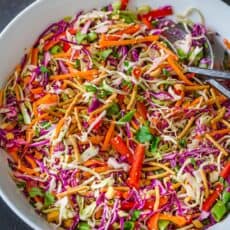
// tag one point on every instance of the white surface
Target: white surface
(23, 31)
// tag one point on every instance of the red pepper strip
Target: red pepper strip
(66, 46)
(124, 4)
(153, 221)
(211, 200)
(226, 171)
(53, 42)
(142, 110)
(159, 13)
(149, 204)
(119, 145)
(135, 171)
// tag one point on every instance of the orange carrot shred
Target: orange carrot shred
(108, 136)
(178, 70)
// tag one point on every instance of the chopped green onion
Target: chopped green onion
(43, 69)
(129, 225)
(92, 36)
(154, 144)
(55, 49)
(163, 224)
(182, 143)
(80, 37)
(105, 54)
(226, 197)
(128, 117)
(165, 72)
(49, 199)
(35, 192)
(182, 55)
(113, 110)
(116, 5)
(83, 226)
(77, 64)
(136, 215)
(90, 88)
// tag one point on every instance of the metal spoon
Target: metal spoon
(176, 33)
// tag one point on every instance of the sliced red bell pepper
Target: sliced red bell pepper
(226, 171)
(158, 13)
(135, 171)
(142, 110)
(124, 4)
(211, 200)
(119, 145)
(66, 46)
(128, 205)
(149, 204)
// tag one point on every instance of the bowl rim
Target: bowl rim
(3, 195)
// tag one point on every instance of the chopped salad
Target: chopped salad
(105, 130)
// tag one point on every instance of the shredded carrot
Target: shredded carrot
(17, 93)
(26, 170)
(108, 136)
(62, 55)
(31, 162)
(88, 75)
(116, 36)
(194, 103)
(180, 221)
(34, 56)
(1, 97)
(92, 162)
(47, 99)
(29, 135)
(104, 44)
(227, 43)
(38, 155)
(37, 90)
(178, 70)
(219, 132)
(26, 80)
(96, 140)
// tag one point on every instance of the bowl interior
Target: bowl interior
(21, 33)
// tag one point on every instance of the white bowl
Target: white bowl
(21, 33)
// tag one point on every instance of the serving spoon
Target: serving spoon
(210, 75)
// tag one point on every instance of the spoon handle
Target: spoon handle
(219, 87)
(213, 74)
